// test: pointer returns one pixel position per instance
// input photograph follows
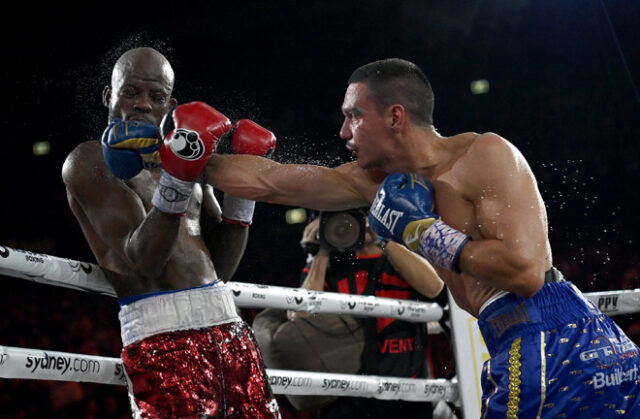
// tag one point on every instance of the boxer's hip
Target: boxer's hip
(192, 308)
(555, 306)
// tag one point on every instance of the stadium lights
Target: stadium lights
(480, 87)
(296, 216)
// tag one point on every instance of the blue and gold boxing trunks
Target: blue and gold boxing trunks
(555, 355)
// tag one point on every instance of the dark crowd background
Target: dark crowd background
(563, 79)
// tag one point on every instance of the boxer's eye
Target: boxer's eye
(129, 92)
(159, 98)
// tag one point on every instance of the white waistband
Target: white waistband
(498, 295)
(181, 310)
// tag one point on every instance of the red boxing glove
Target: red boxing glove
(190, 133)
(248, 137)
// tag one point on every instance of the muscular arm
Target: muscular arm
(109, 209)
(512, 252)
(226, 242)
(415, 269)
(309, 186)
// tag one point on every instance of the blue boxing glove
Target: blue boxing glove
(403, 212)
(130, 146)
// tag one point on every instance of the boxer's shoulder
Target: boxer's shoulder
(88, 150)
(83, 163)
(473, 149)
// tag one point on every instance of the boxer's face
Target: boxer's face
(363, 127)
(140, 90)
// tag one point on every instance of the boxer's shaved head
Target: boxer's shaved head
(144, 58)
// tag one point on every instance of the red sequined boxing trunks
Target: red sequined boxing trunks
(187, 354)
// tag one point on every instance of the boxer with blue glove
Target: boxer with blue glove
(403, 212)
(156, 227)
(130, 146)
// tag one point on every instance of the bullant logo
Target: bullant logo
(187, 144)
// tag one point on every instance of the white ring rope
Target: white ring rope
(37, 364)
(52, 270)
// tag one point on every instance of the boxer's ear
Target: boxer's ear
(396, 117)
(106, 96)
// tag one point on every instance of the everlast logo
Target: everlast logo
(504, 321)
(609, 302)
(384, 215)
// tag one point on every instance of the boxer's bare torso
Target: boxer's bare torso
(487, 190)
(102, 204)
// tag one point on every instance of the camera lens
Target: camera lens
(342, 231)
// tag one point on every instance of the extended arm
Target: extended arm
(308, 186)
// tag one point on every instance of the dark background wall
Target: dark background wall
(563, 88)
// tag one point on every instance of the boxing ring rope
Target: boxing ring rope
(50, 365)
(34, 364)
(52, 270)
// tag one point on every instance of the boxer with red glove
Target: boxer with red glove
(247, 137)
(190, 134)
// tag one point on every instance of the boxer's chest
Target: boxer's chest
(454, 208)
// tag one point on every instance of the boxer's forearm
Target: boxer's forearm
(261, 179)
(149, 246)
(227, 243)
